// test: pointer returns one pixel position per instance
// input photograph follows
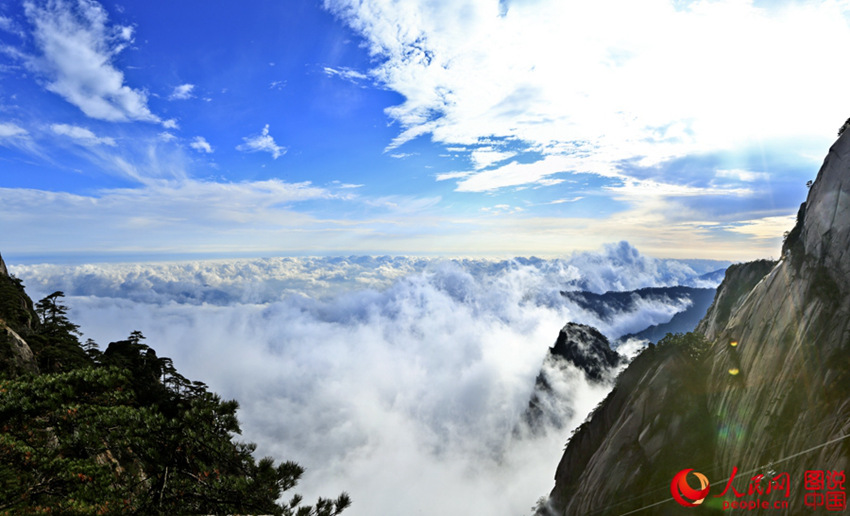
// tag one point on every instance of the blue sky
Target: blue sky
(456, 127)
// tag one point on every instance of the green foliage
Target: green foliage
(824, 286)
(122, 432)
(693, 345)
(55, 343)
(15, 306)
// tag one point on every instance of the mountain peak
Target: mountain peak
(772, 387)
(825, 235)
(3, 270)
(586, 348)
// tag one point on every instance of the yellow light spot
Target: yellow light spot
(734, 371)
(733, 343)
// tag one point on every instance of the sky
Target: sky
(426, 127)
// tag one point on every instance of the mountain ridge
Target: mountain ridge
(770, 388)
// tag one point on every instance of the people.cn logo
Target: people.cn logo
(684, 493)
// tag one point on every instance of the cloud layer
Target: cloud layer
(400, 380)
(600, 83)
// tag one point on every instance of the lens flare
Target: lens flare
(734, 371)
(734, 343)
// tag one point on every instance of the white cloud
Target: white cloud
(7, 24)
(82, 135)
(746, 176)
(644, 192)
(607, 81)
(182, 92)
(347, 74)
(487, 156)
(262, 142)
(77, 47)
(401, 375)
(13, 135)
(563, 201)
(513, 174)
(766, 228)
(201, 145)
(165, 215)
(9, 130)
(170, 124)
(502, 209)
(452, 175)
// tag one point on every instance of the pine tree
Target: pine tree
(122, 432)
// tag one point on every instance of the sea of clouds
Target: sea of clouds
(400, 380)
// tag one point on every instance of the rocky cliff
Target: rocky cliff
(579, 349)
(770, 392)
(17, 318)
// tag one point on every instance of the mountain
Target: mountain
(577, 348)
(609, 305)
(714, 276)
(762, 387)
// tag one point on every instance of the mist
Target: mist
(400, 380)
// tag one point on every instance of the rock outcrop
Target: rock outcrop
(587, 349)
(16, 357)
(579, 349)
(739, 281)
(17, 318)
(770, 394)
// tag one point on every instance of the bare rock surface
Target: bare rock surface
(771, 392)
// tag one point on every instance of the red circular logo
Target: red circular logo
(682, 492)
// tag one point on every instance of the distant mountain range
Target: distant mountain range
(608, 305)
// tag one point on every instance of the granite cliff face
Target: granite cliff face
(17, 318)
(770, 392)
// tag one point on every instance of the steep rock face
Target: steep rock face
(16, 307)
(578, 346)
(16, 357)
(771, 394)
(793, 334)
(625, 445)
(16, 317)
(739, 281)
